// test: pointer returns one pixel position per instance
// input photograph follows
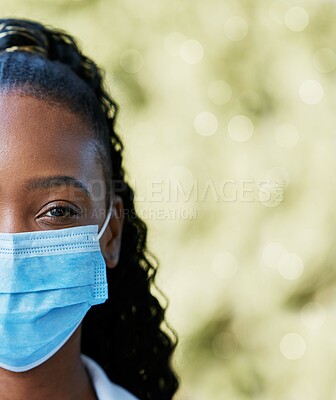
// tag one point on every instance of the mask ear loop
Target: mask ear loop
(107, 220)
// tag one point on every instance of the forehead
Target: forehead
(41, 138)
(17, 109)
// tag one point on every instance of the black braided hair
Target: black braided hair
(127, 335)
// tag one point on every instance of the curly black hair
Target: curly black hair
(127, 335)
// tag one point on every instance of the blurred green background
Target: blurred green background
(227, 115)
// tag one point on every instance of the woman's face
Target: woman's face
(51, 176)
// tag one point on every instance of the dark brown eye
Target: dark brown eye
(61, 212)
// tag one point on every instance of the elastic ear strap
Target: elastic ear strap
(107, 220)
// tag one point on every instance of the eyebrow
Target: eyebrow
(49, 182)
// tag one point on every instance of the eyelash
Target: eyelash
(71, 212)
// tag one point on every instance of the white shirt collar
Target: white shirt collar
(105, 389)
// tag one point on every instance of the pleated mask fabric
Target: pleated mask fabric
(48, 282)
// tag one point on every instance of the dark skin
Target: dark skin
(51, 178)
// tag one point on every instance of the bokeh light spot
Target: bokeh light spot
(272, 254)
(286, 135)
(173, 42)
(131, 61)
(271, 193)
(224, 265)
(206, 123)
(296, 19)
(240, 128)
(224, 345)
(235, 28)
(191, 51)
(219, 92)
(290, 266)
(292, 346)
(311, 92)
(313, 315)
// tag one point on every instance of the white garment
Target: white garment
(105, 389)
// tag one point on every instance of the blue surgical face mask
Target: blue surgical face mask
(48, 282)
